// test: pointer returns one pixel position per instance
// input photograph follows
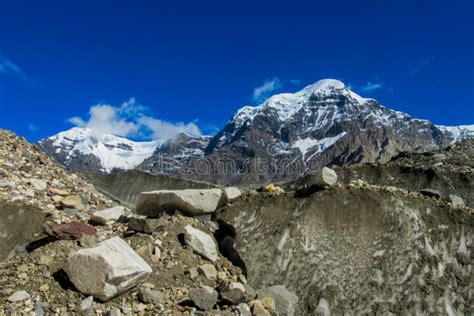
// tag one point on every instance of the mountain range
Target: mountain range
(286, 136)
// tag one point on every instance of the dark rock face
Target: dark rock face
(18, 227)
(173, 156)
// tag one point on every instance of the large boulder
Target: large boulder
(285, 300)
(107, 269)
(326, 177)
(200, 242)
(191, 202)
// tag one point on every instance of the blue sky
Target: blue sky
(191, 64)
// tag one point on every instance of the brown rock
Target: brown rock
(70, 230)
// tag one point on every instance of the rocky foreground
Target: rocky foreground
(66, 248)
(395, 238)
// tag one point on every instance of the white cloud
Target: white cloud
(262, 92)
(165, 130)
(372, 86)
(130, 120)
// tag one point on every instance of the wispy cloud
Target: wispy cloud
(422, 64)
(269, 86)
(262, 92)
(372, 86)
(131, 119)
(33, 127)
(7, 67)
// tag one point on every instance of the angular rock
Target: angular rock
(285, 301)
(243, 310)
(87, 303)
(107, 216)
(146, 225)
(231, 193)
(59, 192)
(151, 296)
(204, 298)
(191, 201)
(323, 308)
(200, 242)
(107, 269)
(233, 296)
(72, 201)
(326, 177)
(38, 185)
(456, 200)
(70, 230)
(431, 193)
(5, 183)
(19, 296)
(209, 271)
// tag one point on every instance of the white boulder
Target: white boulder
(109, 215)
(107, 269)
(191, 201)
(200, 242)
(231, 193)
(325, 177)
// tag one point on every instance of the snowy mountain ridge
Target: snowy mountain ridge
(323, 123)
(110, 151)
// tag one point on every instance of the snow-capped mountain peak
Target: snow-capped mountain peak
(100, 152)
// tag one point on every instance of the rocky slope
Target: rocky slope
(66, 248)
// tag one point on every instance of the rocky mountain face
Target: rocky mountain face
(287, 136)
(81, 149)
(323, 124)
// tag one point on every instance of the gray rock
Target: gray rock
(243, 309)
(431, 193)
(209, 271)
(231, 193)
(19, 296)
(191, 201)
(107, 216)
(233, 296)
(39, 309)
(326, 177)
(87, 303)
(146, 225)
(456, 200)
(323, 308)
(204, 298)
(106, 269)
(285, 300)
(200, 242)
(38, 185)
(5, 183)
(151, 296)
(113, 312)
